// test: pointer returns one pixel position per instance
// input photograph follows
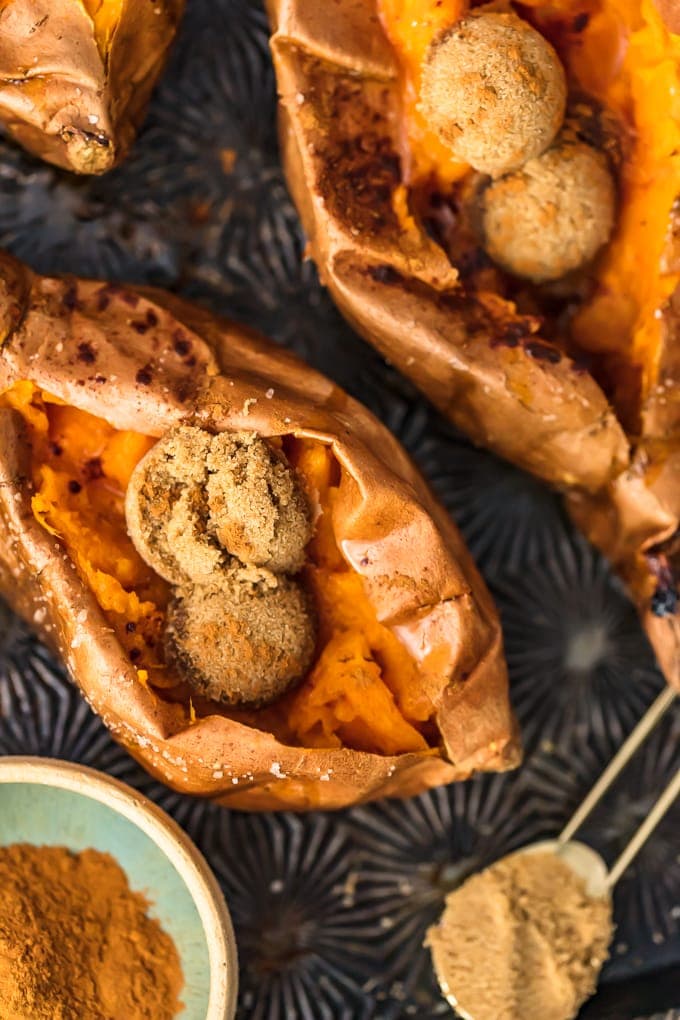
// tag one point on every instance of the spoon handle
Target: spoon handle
(650, 823)
(618, 762)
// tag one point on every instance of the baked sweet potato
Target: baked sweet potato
(407, 688)
(76, 75)
(575, 379)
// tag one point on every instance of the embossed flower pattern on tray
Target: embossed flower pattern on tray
(330, 910)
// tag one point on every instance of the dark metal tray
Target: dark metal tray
(330, 910)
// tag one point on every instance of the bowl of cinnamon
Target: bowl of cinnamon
(108, 910)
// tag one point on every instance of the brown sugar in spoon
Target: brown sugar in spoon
(528, 936)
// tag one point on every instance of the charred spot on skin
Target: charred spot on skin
(144, 376)
(184, 391)
(592, 123)
(74, 487)
(70, 298)
(142, 326)
(581, 366)
(181, 344)
(91, 137)
(104, 295)
(38, 24)
(542, 352)
(56, 450)
(478, 321)
(86, 354)
(385, 274)
(92, 469)
(472, 262)
(514, 334)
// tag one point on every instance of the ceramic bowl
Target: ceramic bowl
(49, 802)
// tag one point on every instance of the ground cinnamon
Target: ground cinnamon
(76, 941)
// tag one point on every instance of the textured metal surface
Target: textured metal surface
(330, 910)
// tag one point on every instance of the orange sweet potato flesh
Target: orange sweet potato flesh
(363, 690)
(76, 75)
(588, 401)
(408, 688)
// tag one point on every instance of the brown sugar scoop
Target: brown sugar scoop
(542, 914)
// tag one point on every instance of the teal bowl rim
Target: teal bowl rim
(171, 840)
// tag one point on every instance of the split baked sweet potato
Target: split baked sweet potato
(406, 687)
(76, 75)
(559, 352)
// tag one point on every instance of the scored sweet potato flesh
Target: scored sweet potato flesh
(363, 690)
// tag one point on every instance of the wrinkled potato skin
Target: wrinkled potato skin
(483, 367)
(416, 569)
(339, 114)
(60, 97)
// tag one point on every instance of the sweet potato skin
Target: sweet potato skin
(480, 363)
(339, 113)
(64, 96)
(137, 376)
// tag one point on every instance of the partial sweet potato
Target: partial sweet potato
(408, 688)
(577, 384)
(76, 75)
